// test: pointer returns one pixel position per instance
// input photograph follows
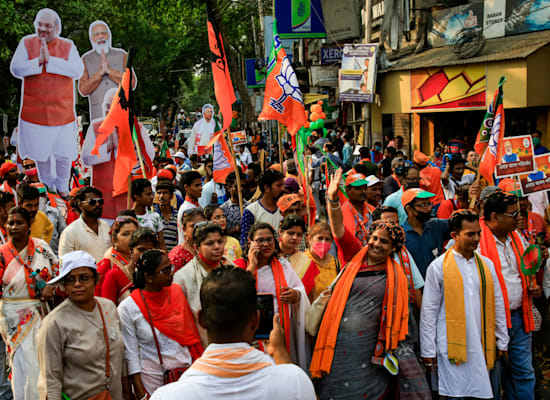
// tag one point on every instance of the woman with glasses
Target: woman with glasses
(118, 280)
(184, 252)
(79, 336)
(233, 248)
(157, 325)
(275, 275)
(209, 243)
(25, 265)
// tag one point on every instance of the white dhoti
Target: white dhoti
(53, 148)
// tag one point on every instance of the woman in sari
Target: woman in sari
(275, 275)
(156, 305)
(233, 248)
(118, 281)
(25, 265)
(363, 347)
(184, 252)
(291, 233)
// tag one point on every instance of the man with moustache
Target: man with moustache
(357, 217)
(48, 64)
(89, 233)
(103, 68)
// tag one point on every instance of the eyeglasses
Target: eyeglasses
(29, 166)
(203, 224)
(72, 279)
(425, 206)
(167, 271)
(513, 215)
(266, 240)
(93, 202)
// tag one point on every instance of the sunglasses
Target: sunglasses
(71, 279)
(93, 202)
(29, 166)
(167, 271)
(204, 224)
(513, 215)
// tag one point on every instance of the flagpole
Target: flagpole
(280, 146)
(237, 172)
(474, 199)
(129, 196)
(307, 193)
(131, 52)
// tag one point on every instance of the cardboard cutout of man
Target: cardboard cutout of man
(103, 68)
(104, 165)
(48, 65)
(202, 132)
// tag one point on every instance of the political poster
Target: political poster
(539, 180)
(517, 157)
(357, 78)
(299, 19)
(238, 137)
(255, 73)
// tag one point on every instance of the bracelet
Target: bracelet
(333, 201)
(145, 397)
(335, 208)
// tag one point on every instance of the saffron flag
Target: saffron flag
(298, 145)
(283, 100)
(147, 162)
(494, 119)
(120, 118)
(223, 88)
(223, 161)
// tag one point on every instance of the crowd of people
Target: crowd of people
(405, 283)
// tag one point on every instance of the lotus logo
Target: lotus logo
(289, 84)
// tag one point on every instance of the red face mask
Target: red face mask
(31, 172)
(321, 249)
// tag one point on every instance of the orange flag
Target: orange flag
(223, 88)
(118, 118)
(223, 161)
(283, 100)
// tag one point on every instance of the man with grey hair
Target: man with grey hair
(393, 182)
(48, 64)
(103, 68)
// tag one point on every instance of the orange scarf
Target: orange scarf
(394, 322)
(231, 363)
(488, 248)
(171, 316)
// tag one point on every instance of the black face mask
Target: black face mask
(423, 216)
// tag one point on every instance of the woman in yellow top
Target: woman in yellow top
(233, 248)
(320, 240)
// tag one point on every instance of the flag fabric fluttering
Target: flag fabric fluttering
(223, 88)
(489, 141)
(147, 162)
(283, 100)
(120, 118)
(299, 142)
(223, 162)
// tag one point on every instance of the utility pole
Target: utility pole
(367, 106)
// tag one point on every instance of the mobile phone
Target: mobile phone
(264, 303)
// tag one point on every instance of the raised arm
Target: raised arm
(334, 210)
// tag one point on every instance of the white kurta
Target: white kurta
(299, 346)
(37, 141)
(470, 379)
(204, 130)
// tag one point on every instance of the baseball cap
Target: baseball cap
(7, 167)
(411, 194)
(356, 180)
(372, 180)
(180, 154)
(287, 200)
(73, 260)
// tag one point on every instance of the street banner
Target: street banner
(343, 19)
(299, 19)
(357, 78)
(255, 77)
(539, 180)
(238, 137)
(517, 157)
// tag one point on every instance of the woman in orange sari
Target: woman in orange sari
(363, 347)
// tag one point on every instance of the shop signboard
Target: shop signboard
(518, 157)
(342, 19)
(446, 88)
(539, 180)
(448, 22)
(299, 19)
(268, 39)
(322, 75)
(331, 55)
(527, 16)
(255, 77)
(357, 78)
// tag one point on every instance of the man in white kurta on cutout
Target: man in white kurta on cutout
(103, 68)
(47, 132)
(471, 378)
(202, 132)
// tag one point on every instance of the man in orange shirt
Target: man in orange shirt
(430, 177)
(357, 217)
(48, 65)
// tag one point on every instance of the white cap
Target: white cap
(73, 260)
(372, 180)
(180, 154)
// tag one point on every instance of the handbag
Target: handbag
(104, 394)
(171, 375)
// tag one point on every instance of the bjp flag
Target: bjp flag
(223, 161)
(283, 100)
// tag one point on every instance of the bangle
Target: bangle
(337, 201)
(145, 397)
(335, 208)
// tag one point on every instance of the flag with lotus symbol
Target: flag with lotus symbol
(283, 100)
(223, 163)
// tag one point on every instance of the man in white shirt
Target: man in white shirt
(453, 176)
(89, 233)
(481, 317)
(192, 185)
(230, 367)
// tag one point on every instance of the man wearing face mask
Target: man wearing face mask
(409, 178)
(103, 68)
(539, 148)
(425, 237)
(376, 154)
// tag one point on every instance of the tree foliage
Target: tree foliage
(168, 35)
